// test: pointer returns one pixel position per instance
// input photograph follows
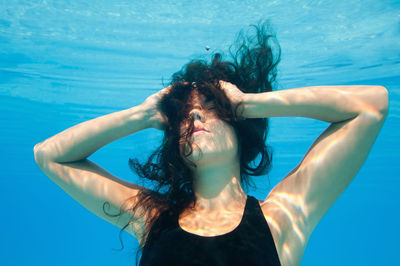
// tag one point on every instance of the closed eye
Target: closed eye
(210, 106)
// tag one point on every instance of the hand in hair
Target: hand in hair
(152, 108)
(234, 94)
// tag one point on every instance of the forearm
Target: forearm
(80, 141)
(326, 103)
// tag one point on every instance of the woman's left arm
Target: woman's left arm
(301, 199)
(327, 103)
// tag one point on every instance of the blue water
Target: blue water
(62, 63)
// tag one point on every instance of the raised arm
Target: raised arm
(63, 159)
(327, 103)
(295, 205)
(80, 141)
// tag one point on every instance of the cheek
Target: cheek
(223, 128)
(227, 138)
(221, 140)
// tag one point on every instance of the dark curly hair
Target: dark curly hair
(252, 68)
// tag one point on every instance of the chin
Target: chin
(208, 158)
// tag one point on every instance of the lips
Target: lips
(197, 129)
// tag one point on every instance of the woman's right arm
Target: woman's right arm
(80, 141)
(63, 158)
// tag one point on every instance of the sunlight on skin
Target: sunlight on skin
(284, 200)
(215, 223)
(273, 223)
(286, 220)
(220, 140)
(81, 181)
(84, 180)
(344, 101)
(286, 249)
(220, 197)
(293, 207)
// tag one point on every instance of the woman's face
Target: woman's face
(214, 140)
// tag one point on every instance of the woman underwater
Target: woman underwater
(214, 118)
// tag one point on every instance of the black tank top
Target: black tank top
(250, 243)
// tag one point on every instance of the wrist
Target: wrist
(249, 104)
(258, 105)
(140, 117)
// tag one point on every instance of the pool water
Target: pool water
(64, 62)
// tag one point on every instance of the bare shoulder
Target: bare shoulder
(100, 192)
(297, 203)
(289, 237)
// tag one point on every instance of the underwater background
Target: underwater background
(65, 62)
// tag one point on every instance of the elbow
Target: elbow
(375, 104)
(382, 101)
(38, 154)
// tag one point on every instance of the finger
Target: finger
(165, 91)
(225, 83)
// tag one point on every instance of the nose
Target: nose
(196, 114)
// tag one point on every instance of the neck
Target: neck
(218, 187)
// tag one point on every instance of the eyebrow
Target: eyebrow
(198, 103)
(205, 105)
